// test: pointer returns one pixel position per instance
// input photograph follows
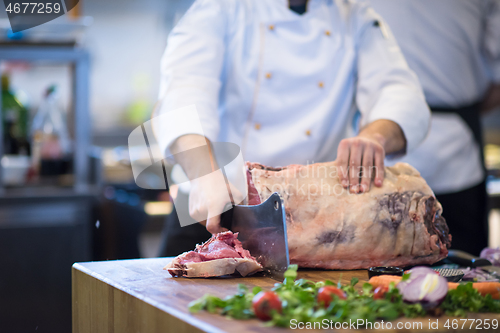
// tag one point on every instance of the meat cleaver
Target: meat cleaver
(468, 260)
(262, 231)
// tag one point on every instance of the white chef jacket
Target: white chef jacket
(454, 48)
(281, 85)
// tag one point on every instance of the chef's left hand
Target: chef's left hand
(361, 159)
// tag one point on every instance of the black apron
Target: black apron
(466, 211)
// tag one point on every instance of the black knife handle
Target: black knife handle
(467, 260)
(480, 262)
(226, 218)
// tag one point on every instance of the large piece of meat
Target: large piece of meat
(398, 224)
(220, 255)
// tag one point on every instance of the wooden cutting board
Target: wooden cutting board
(139, 296)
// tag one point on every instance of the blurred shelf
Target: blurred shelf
(48, 192)
(42, 51)
(112, 137)
(79, 58)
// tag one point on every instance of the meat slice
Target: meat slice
(220, 255)
(398, 224)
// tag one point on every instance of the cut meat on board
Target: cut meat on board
(220, 255)
(398, 224)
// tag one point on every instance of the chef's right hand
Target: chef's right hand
(208, 198)
(206, 202)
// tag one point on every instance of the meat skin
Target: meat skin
(398, 224)
(220, 255)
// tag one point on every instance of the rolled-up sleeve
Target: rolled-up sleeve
(386, 87)
(190, 75)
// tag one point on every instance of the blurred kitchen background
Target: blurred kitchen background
(72, 91)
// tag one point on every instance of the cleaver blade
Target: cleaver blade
(262, 231)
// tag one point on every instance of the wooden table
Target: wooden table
(139, 296)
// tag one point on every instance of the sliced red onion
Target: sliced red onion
(411, 289)
(477, 275)
(414, 273)
(424, 286)
(436, 288)
(492, 254)
(420, 270)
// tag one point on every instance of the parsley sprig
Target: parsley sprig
(467, 299)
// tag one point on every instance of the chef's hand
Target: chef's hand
(206, 200)
(209, 193)
(361, 159)
(208, 197)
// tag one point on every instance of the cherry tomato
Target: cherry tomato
(326, 293)
(380, 292)
(264, 302)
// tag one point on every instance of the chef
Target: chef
(454, 47)
(282, 80)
